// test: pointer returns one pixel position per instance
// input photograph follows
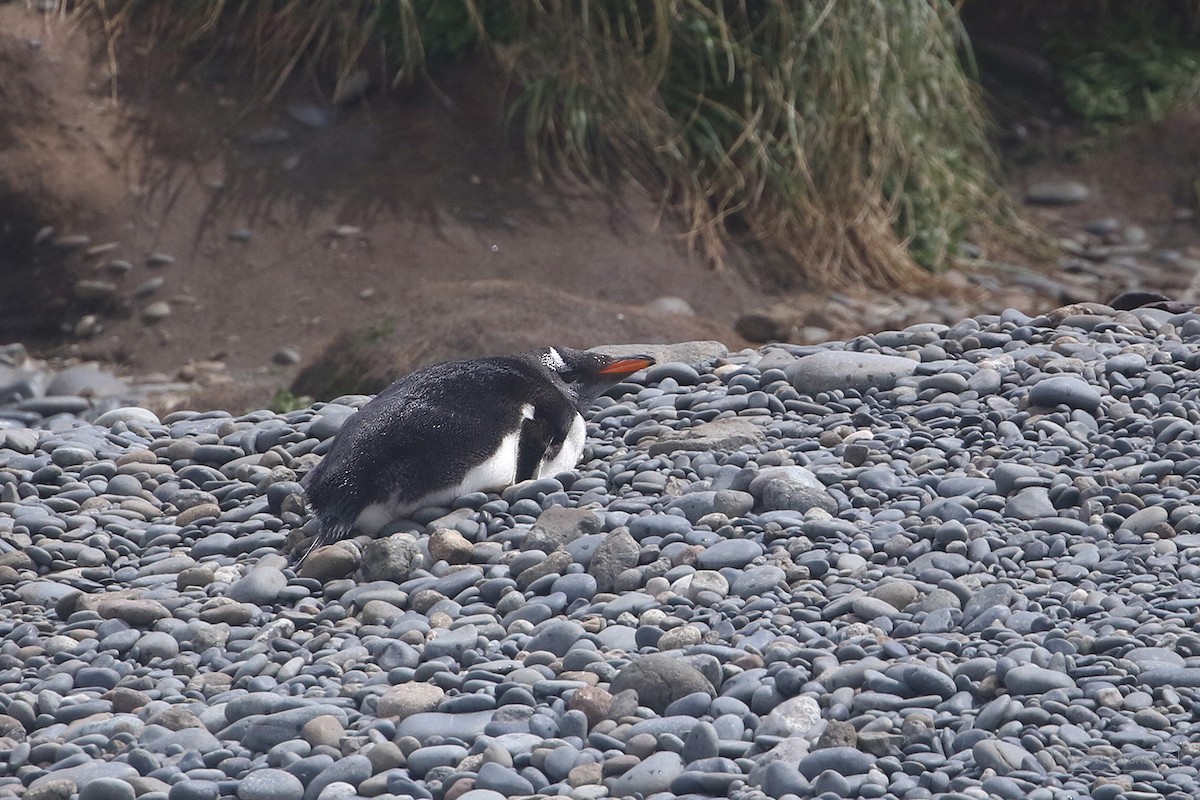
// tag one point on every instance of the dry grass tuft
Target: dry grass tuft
(843, 141)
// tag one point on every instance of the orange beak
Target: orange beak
(627, 366)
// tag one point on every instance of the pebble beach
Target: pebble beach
(950, 561)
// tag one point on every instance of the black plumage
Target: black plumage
(456, 428)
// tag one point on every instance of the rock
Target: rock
(197, 513)
(326, 730)
(795, 716)
(1065, 390)
(148, 287)
(671, 305)
(699, 354)
(556, 636)
(768, 325)
(724, 435)
(156, 311)
(756, 581)
(1032, 679)
(615, 554)
(593, 701)
(1032, 502)
(447, 544)
(559, 525)
(392, 559)
(86, 380)
(832, 370)
(310, 114)
(466, 726)
(260, 586)
(652, 775)
(407, 699)
(660, 679)
(137, 612)
(95, 292)
(734, 553)
(270, 784)
(505, 780)
(792, 488)
(1004, 757)
(897, 594)
(841, 760)
(691, 586)
(106, 789)
(130, 415)
(287, 356)
(1056, 193)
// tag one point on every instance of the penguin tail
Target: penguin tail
(327, 533)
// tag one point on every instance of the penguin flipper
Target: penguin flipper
(534, 441)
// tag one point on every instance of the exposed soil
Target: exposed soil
(291, 224)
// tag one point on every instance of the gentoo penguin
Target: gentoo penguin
(456, 428)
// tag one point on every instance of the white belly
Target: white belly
(494, 474)
(569, 455)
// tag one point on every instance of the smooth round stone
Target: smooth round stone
(701, 741)
(465, 726)
(705, 784)
(1057, 193)
(755, 581)
(106, 789)
(155, 645)
(443, 755)
(782, 779)
(452, 644)
(653, 774)
(270, 784)
(869, 608)
(575, 586)
(498, 778)
(556, 636)
(194, 790)
(482, 794)
(841, 760)
(735, 553)
(1004, 757)
(1032, 679)
(130, 415)
(659, 679)
(833, 370)
(1030, 503)
(791, 488)
(682, 374)
(260, 586)
(1065, 390)
(1126, 364)
(71, 456)
(124, 485)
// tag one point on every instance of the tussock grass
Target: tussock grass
(272, 39)
(844, 138)
(843, 141)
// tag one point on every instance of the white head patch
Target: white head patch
(552, 359)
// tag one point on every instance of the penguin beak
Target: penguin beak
(626, 366)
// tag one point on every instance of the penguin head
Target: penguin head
(585, 374)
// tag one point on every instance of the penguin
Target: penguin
(455, 428)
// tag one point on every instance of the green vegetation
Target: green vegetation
(1133, 67)
(843, 141)
(284, 401)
